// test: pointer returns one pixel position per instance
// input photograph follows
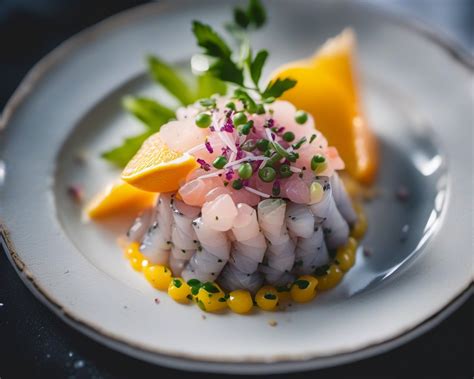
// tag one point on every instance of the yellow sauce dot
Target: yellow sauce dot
(304, 289)
(211, 299)
(331, 279)
(158, 276)
(267, 298)
(240, 301)
(179, 290)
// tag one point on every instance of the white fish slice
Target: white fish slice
(300, 220)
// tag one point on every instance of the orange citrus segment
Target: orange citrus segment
(327, 88)
(157, 168)
(119, 198)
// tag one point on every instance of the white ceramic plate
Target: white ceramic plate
(418, 101)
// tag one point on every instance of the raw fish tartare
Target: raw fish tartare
(250, 207)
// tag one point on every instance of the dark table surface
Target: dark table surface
(35, 343)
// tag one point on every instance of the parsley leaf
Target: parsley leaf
(208, 85)
(256, 13)
(214, 46)
(277, 87)
(170, 79)
(228, 71)
(246, 99)
(241, 18)
(121, 155)
(212, 43)
(150, 112)
(257, 65)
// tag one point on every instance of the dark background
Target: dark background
(35, 343)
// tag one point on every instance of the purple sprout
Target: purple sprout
(229, 174)
(204, 165)
(209, 147)
(228, 126)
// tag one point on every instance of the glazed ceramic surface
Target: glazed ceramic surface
(418, 100)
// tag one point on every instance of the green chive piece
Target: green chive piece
(285, 171)
(249, 145)
(276, 189)
(239, 119)
(267, 174)
(269, 296)
(298, 144)
(316, 161)
(288, 136)
(301, 117)
(245, 170)
(177, 283)
(262, 144)
(293, 157)
(210, 287)
(194, 282)
(313, 137)
(280, 149)
(219, 162)
(237, 184)
(231, 106)
(208, 103)
(203, 120)
(301, 283)
(246, 128)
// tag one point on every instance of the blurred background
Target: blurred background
(34, 343)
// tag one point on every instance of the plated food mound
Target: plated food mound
(251, 209)
(264, 206)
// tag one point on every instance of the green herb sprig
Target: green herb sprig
(246, 67)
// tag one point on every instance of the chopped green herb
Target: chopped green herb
(221, 300)
(245, 170)
(267, 174)
(285, 171)
(298, 144)
(194, 282)
(219, 162)
(321, 270)
(237, 184)
(280, 149)
(211, 288)
(301, 283)
(288, 136)
(301, 117)
(203, 120)
(313, 137)
(246, 128)
(316, 161)
(177, 283)
(262, 144)
(270, 296)
(208, 103)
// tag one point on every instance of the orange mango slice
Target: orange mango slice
(157, 168)
(119, 198)
(328, 89)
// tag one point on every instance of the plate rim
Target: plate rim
(53, 58)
